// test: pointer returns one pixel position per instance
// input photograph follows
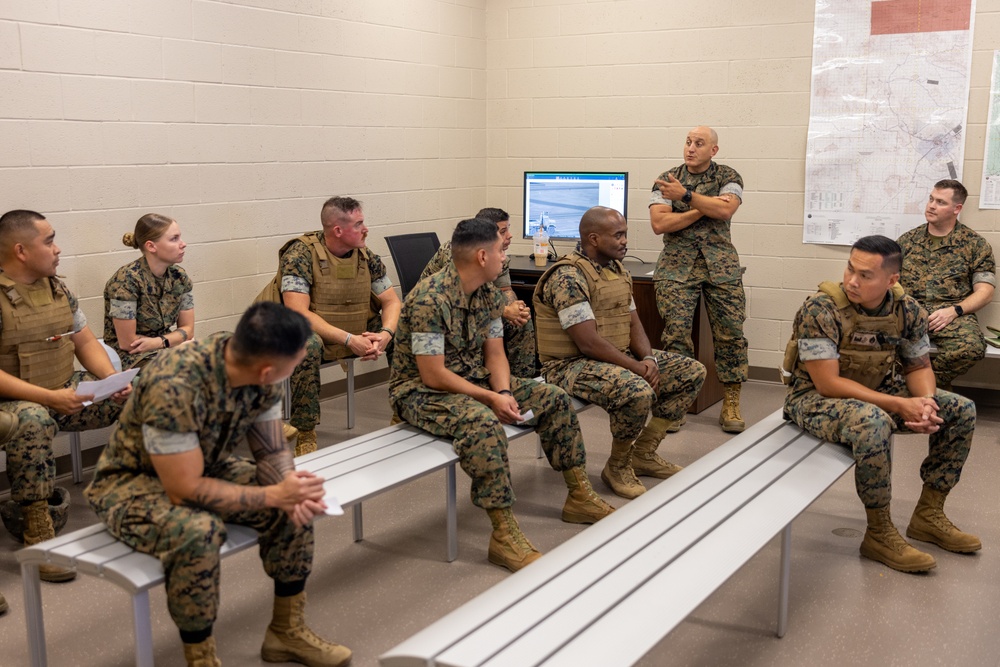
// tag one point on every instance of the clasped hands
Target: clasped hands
(920, 414)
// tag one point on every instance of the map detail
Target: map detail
(889, 104)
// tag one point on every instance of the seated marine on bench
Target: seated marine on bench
(592, 344)
(42, 329)
(450, 377)
(343, 289)
(951, 271)
(168, 480)
(518, 330)
(859, 370)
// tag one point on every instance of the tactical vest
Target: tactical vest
(30, 314)
(868, 344)
(610, 298)
(341, 291)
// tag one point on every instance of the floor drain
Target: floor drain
(846, 532)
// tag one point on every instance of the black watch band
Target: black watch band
(166, 343)
(687, 196)
(959, 310)
(506, 391)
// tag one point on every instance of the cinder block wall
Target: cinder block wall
(240, 117)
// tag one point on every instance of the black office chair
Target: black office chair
(410, 253)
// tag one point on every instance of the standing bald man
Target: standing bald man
(691, 206)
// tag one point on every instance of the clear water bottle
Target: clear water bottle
(541, 240)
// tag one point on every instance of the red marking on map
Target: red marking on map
(895, 17)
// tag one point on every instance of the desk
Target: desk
(524, 276)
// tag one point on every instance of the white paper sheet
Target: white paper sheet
(102, 389)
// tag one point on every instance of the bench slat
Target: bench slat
(347, 451)
(382, 455)
(624, 564)
(383, 475)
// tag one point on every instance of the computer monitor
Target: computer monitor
(562, 197)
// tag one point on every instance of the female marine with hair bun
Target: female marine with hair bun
(148, 303)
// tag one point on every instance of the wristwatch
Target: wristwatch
(959, 310)
(687, 196)
(166, 343)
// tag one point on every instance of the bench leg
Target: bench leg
(359, 524)
(76, 457)
(33, 614)
(539, 452)
(785, 580)
(452, 512)
(143, 630)
(350, 393)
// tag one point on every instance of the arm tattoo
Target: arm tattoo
(219, 496)
(910, 365)
(270, 451)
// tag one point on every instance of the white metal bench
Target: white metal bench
(609, 594)
(355, 471)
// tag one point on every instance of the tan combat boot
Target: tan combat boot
(306, 443)
(645, 461)
(730, 418)
(618, 473)
(509, 547)
(38, 528)
(202, 654)
(289, 639)
(676, 424)
(884, 544)
(929, 524)
(583, 505)
(289, 432)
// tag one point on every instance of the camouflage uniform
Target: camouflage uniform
(438, 318)
(518, 341)
(180, 394)
(701, 260)
(134, 293)
(866, 428)
(31, 465)
(626, 396)
(296, 269)
(940, 272)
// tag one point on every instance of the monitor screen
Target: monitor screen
(558, 199)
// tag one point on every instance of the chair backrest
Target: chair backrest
(410, 253)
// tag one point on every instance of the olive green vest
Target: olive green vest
(610, 298)
(30, 314)
(868, 344)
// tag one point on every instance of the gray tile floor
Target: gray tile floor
(376, 593)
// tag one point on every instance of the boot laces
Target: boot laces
(941, 521)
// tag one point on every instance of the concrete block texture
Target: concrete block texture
(240, 117)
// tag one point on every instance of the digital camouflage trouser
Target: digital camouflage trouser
(479, 438)
(519, 344)
(960, 345)
(31, 466)
(726, 304)
(305, 383)
(868, 429)
(627, 397)
(187, 541)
